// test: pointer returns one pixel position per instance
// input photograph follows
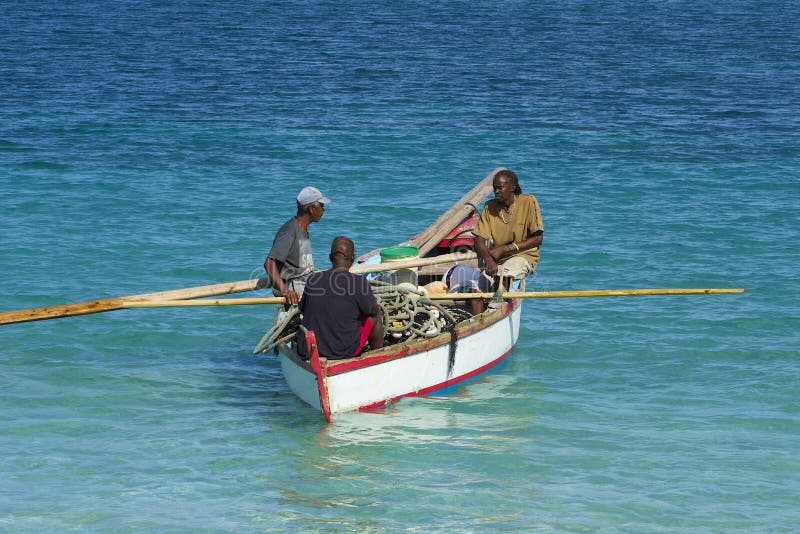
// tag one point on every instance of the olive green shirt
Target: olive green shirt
(503, 226)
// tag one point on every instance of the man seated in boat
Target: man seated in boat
(289, 261)
(510, 231)
(340, 308)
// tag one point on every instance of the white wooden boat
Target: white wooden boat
(419, 367)
(416, 367)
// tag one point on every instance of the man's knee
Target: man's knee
(376, 334)
(517, 268)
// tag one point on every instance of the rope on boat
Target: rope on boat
(274, 335)
(407, 315)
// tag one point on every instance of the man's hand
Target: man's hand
(490, 265)
(488, 256)
(292, 297)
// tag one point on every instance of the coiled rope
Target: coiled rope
(407, 315)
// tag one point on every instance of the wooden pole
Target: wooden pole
(118, 303)
(586, 293)
(203, 302)
(451, 296)
(431, 236)
(412, 262)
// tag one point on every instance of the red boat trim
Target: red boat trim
(318, 365)
(443, 385)
(394, 352)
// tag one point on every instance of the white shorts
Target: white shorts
(517, 268)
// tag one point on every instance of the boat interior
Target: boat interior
(402, 292)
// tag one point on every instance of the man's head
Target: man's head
(311, 200)
(342, 252)
(506, 186)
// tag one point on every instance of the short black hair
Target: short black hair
(344, 247)
(511, 176)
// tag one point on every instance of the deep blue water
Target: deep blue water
(147, 146)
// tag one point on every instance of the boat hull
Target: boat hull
(404, 370)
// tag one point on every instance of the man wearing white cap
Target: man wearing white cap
(289, 261)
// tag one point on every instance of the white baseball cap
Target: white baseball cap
(309, 195)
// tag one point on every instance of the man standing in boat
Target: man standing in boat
(340, 308)
(289, 262)
(510, 230)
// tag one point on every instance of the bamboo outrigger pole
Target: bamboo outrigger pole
(588, 293)
(457, 296)
(118, 303)
(171, 299)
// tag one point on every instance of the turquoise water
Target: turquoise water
(153, 146)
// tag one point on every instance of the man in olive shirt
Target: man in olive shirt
(510, 230)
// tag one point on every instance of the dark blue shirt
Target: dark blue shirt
(333, 305)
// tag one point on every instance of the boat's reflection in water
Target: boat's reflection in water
(379, 462)
(481, 407)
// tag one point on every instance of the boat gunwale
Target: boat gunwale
(402, 350)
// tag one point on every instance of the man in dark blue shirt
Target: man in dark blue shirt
(339, 307)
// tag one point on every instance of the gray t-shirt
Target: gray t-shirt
(292, 250)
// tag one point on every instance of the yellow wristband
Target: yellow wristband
(515, 245)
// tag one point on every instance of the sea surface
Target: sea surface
(155, 145)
